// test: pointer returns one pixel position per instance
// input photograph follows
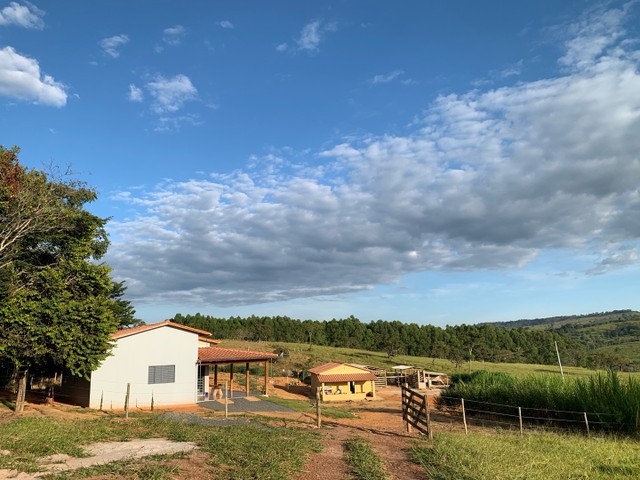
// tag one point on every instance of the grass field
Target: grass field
(234, 452)
(534, 456)
(302, 356)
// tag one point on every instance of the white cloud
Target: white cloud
(173, 35)
(311, 35)
(170, 94)
(282, 47)
(486, 180)
(21, 78)
(26, 16)
(111, 45)
(225, 24)
(386, 78)
(135, 94)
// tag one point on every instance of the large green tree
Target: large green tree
(58, 303)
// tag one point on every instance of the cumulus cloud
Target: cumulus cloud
(170, 94)
(21, 78)
(173, 35)
(135, 94)
(226, 24)
(310, 36)
(111, 45)
(386, 78)
(26, 16)
(486, 180)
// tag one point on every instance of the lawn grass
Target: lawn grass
(309, 407)
(364, 463)
(534, 456)
(237, 451)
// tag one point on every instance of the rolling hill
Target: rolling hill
(612, 337)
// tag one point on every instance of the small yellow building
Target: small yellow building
(341, 382)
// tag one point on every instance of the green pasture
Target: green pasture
(533, 456)
(303, 356)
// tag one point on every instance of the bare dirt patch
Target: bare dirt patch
(103, 453)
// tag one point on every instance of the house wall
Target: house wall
(363, 388)
(130, 361)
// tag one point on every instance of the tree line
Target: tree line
(457, 343)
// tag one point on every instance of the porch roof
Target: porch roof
(216, 355)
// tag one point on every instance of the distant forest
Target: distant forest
(457, 343)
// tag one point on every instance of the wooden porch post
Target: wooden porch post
(246, 378)
(215, 375)
(231, 380)
(266, 378)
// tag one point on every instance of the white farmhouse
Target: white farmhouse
(159, 364)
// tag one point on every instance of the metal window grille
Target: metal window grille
(162, 374)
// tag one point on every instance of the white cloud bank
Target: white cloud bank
(487, 180)
(21, 79)
(26, 16)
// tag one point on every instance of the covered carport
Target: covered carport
(213, 357)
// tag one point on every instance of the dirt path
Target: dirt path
(379, 422)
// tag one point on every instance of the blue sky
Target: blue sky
(430, 162)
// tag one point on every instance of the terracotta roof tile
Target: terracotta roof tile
(346, 377)
(166, 323)
(325, 367)
(217, 354)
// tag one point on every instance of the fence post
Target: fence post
(586, 422)
(429, 431)
(226, 404)
(464, 418)
(318, 412)
(126, 401)
(520, 418)
(101, 399)
(405, 388)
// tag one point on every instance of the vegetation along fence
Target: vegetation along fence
(486, 414)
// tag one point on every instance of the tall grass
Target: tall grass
(534, 456)
(617, 401)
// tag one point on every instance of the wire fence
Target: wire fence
(487, 414)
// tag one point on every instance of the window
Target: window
(162, 374)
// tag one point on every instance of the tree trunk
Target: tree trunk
(22, 390)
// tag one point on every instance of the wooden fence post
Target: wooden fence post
(429, 431)
(586, 422)
(126, 401)
(464, 418)
(520, 418)
(226, 404)
(318, 413)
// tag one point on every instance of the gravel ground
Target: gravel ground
(242, 405)
(211, 422)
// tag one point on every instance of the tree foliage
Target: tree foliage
(58, 304)
(457, 343)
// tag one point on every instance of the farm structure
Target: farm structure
(416, 378)
(340, 382)
(159, 364)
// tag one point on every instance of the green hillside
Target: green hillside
(612, 339)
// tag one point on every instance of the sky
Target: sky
(429, 162)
